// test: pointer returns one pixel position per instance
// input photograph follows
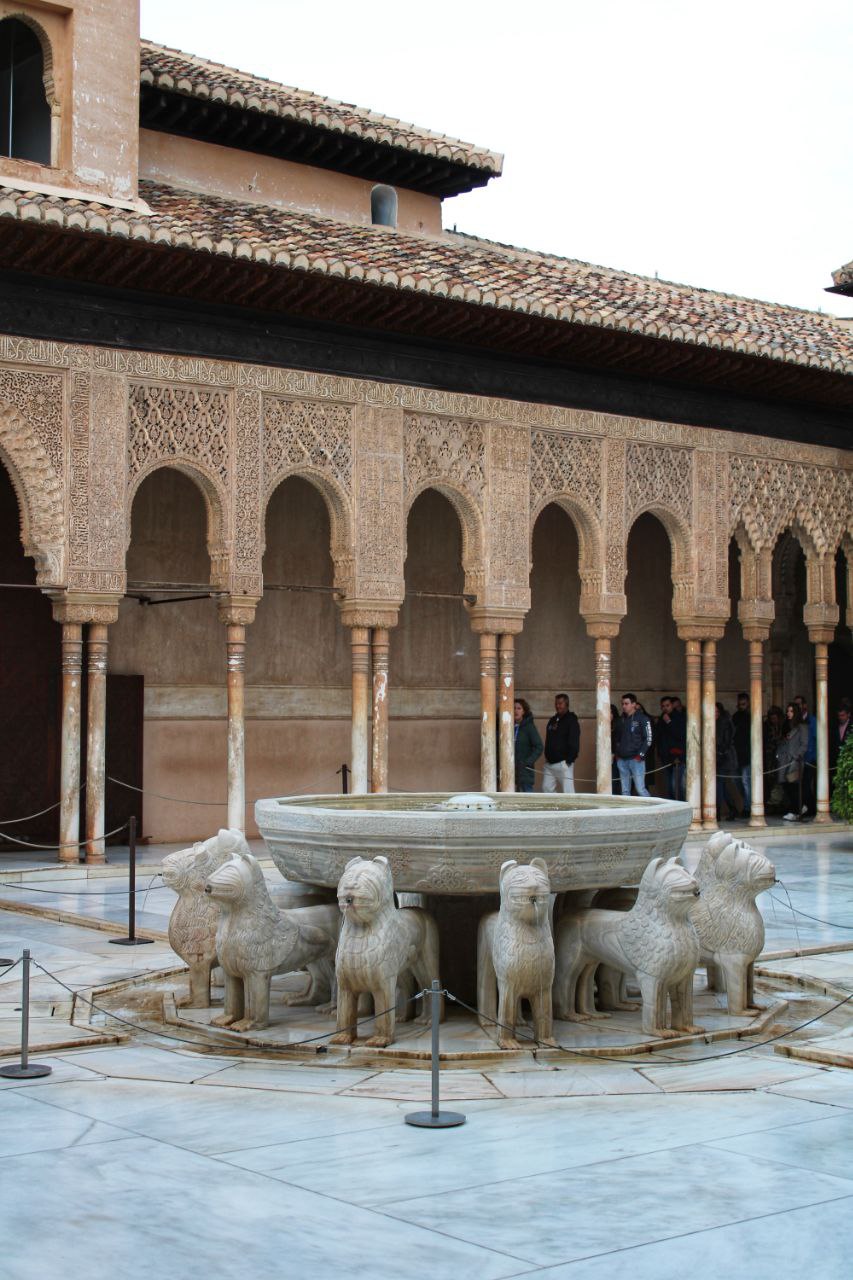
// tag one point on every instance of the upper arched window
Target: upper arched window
(383, 206)
(24, 110)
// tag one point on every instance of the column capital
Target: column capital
(756, 617)
(84, 608)
(372, 614)
(602, 626)
(237, 611)
(821, 620)
(497, 622)
(700, 629)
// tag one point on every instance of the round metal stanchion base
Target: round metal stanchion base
(130, 942)
(426, 1120)
(30, 1072)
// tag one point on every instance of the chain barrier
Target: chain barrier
(11, 822)
(104, 893)
(68, 844)
(578, 1051)
(212, 804)
(795, 910)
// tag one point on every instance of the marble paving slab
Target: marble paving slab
(611, 1078)
(202, 1218)
(210, 1122)
(744, 1072)
(620, 1203)
(780, 1246)
(515, 1139)
(415, 1086)
(822, 1146)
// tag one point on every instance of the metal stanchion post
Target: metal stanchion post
(434, 1118)
(345, 772)
(25, 1070)
(131, 940)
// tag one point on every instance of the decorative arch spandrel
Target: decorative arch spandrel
(313, 441)
(449, 455)
(40, 494)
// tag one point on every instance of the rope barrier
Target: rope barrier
(584, 1051)
(68, 844)
(104, 893)
(78, 994)
(11, 822)
(213, 804)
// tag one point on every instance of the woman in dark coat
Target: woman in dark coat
(528, 745)
(790, 755)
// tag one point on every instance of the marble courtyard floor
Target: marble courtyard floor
(143, 1155)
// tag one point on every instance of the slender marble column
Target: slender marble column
(236, 645)
(69, 803)
(709, 735)
(379, 783)
(756, 733)
(821, 651)
(603, 741)
(96, 712)
(360, 647)
(506, 707)
(488, 700)
(693, 782)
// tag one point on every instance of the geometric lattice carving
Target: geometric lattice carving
(39, 397)
(767, 496)
(658, 475)
(449, 449)
(564, 464)
(40, 494)
(178, 423)
(307, 433)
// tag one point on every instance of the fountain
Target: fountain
(450, 848)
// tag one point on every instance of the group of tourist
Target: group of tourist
(789, 751)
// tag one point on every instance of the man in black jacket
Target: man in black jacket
(562, 743)
(633, 740)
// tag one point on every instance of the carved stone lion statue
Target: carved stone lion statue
(195, 915)
(254, 940)
(515, 955)
(380, 943)
(655, 941)
(730, 875)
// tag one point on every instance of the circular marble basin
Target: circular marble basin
(436, 846)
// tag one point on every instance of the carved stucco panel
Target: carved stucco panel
(768, 496)
(188, 427)
(380, 511)
(99, 535)
(507, 544)
(40, 493)
(449, 454)
(248, 489)
(314, 440)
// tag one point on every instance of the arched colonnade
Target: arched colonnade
(238, 432)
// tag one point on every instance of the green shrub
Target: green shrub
(842, 791)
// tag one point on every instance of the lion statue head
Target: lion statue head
(186, 870)
(525, 891)
(365, 889)
(739, 865)
(238, 880)
(667, 886)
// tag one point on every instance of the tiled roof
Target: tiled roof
(458, 267)
(194, 77)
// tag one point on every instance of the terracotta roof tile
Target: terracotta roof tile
(185, 73)
(457, 266)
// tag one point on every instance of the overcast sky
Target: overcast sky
(707, 143)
